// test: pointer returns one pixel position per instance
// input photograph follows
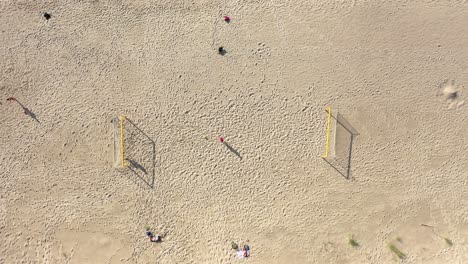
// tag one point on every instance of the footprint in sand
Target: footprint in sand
(451, 93)
(262, 50)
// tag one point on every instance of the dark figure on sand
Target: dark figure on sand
(153, 238)
(221, 51)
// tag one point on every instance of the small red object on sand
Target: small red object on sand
(11, 99)
(221, 139)
(227, 18)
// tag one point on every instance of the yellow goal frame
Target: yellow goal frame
(327, 141)
(122, 149)
(119, 142)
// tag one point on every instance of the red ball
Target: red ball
(221, 139)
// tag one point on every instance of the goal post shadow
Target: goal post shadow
(339, 143)
(134, 151)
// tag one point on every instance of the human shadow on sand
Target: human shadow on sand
(26, 110)
(235, 152)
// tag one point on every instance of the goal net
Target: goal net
(339, 142)
(134, 152)
(118, 148)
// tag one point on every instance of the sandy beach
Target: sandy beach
(395, 71)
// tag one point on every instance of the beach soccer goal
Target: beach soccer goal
(339, 142)
(118, 150)
(134, 152)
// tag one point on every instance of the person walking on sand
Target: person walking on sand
(26, 110)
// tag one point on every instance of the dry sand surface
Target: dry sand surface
(396, 70)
